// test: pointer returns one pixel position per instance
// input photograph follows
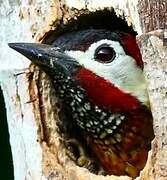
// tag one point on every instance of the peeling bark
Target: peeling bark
(155, 58)
(153, 14)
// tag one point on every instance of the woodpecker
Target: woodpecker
(97, 71)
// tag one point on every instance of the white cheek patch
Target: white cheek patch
(123, 71)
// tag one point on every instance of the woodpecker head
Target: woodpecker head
(105, 63)
(97, 71)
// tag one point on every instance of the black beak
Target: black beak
(50, 59)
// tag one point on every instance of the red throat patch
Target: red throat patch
(104, 94)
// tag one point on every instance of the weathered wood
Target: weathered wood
(153, 14)
(155, 58)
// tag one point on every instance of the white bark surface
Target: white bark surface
(155, 57)
(19, 21)
(26, 152)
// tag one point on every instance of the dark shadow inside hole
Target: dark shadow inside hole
(6, 163)
(100, 19)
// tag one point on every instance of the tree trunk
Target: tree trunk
(153, 17)
(32, 108)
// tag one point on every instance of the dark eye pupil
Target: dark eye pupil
(105, 54)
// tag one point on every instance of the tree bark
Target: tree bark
(153, 17)
(153, 14)
(32, 107)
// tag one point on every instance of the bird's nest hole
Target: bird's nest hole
(85, 19)
(81, 20)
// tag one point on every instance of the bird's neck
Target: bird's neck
(104, 94)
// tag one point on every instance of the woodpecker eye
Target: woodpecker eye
(105, 54)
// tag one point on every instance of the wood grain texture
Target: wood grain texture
(153, 14)
(153, 17)
(155, 57)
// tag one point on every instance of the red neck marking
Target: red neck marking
(131, 48)
(104, 94)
